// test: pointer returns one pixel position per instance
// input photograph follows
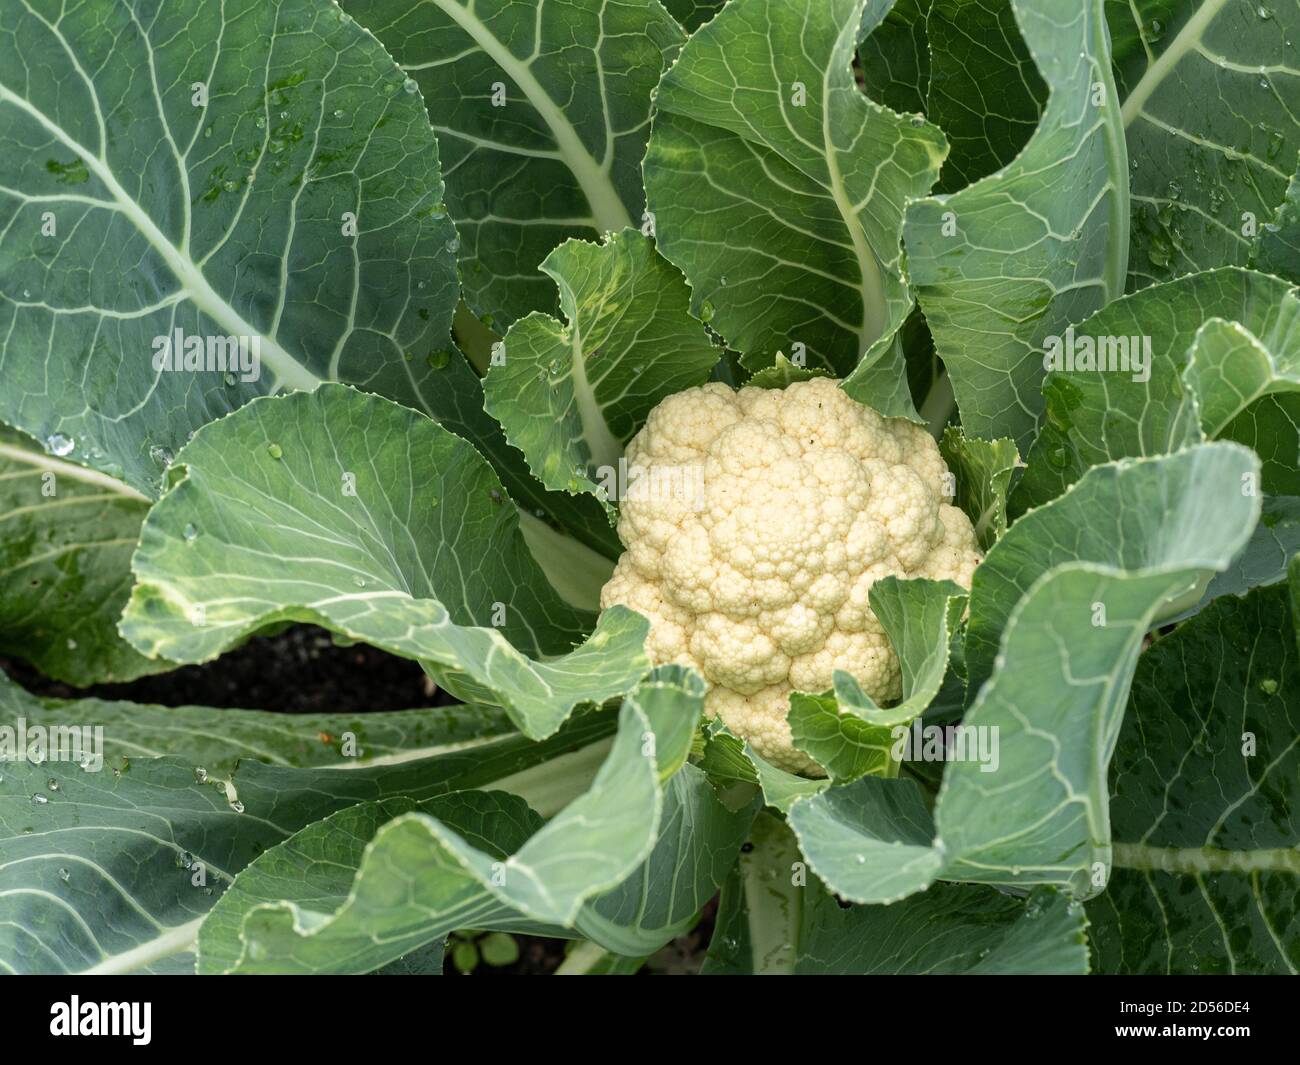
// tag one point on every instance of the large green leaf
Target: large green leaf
(1191, 508)
(769, 925)
(778, 188)
(1081, 603)
(389, 530)
(1204, 799)
(477, 739)
(542, 112)
(1211, 97)
(419, 877)
(299, 206)
(571, 394)
(145, 847)
(66, 537)
(131, 212)
(1014, 258)
(1095, 417)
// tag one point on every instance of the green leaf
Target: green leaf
(766, 924)
(984, 90)
(570, 396)
(699, 841)
(398, 883)
(982, 469)
(1081, 597)
(1002, 264)
(477, 740)
(225, 219)
(542, 113)
(778, 190)
(1228, 369)
(1207, 841)
(148, 849)
(895, 56)
(869, 840)
(847, 733)
(1188, 510)
(66, 537)
(1277, 248)
(1054, 828)
(389, 530)
(1246, 393)
(1264, 559)
(692, 14)
(1094, 417)
(730, 760)
(1212, 118)
(782, 373)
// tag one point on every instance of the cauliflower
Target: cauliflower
(755, 524)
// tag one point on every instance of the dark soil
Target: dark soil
(301, 671)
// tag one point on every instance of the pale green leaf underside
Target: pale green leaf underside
(1207, 843)
(478, 738)
(1075, 631)
(420, 878)
(1007, 261)
(129, 213)
(119, 893)
(571, 394)
(389, 530)
(542, 111)
(778, 189)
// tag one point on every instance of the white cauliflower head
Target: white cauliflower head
(755, 524)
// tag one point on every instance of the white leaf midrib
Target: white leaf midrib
(610, 213)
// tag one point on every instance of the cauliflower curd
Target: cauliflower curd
(756, 524)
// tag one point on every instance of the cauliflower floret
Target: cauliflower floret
(762, 519)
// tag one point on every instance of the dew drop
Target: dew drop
(161, 456)
(229, 378)
(359, 581)
(58, 444)
(409, 85)
(439, 359)
(200, 775)
(190, 532)
(52, 784)
(706, 311)
(453, 245)
(237, 806)
(275, 451)
(339, 112)
(39, 800)
(64, 875)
